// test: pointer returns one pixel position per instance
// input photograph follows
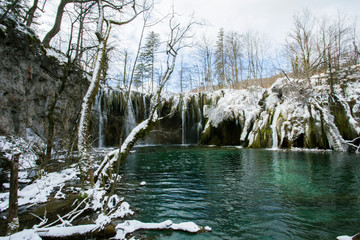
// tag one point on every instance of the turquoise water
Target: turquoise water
(245, 193)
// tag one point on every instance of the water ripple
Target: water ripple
(245, 193)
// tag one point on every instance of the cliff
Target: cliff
(290, 114)
(37, 91)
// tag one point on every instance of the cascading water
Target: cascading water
(275, 143)
(101, 120)
(130, 121)
(183, 121)
(199, 124)
(144, 102)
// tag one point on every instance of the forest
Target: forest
(81, 95)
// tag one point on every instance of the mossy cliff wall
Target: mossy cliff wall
(289, 114)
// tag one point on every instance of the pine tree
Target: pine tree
(220, 58)
(145, 69)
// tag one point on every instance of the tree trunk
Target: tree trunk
(13, 221)
(56, 28)
(31, 13)
(88, 101)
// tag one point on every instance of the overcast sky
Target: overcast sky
(271, 17)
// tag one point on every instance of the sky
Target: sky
(271, 17)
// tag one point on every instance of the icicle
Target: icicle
(275, 143)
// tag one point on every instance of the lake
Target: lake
(245, 193)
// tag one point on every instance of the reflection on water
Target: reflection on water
(245, 193)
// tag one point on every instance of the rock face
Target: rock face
(182, 124)
(36, 90)
(291, 114)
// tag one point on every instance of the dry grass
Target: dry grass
(265, 83)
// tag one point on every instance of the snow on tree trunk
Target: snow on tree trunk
(103, 171)
(88, 100)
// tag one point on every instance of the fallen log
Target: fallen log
(119, 231)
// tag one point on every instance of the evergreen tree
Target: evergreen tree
(145, 69)
(220, 58)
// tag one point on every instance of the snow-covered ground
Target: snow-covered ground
(53, 183)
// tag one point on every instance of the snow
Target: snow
(122, 229)
(131, 226)
(131, 136)
(208, 229)
(65, 231)
(3, 28)
(112, 156)
(23, 235)
(57, 54)
(147, 87)
(40, 189)
(288, 108)
(234, 104)
(345, 237)
(12, 145)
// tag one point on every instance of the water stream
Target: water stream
(245, 193)
(183, 121)
(275, 143)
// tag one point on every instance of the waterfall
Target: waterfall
(199, 125)
(101, 120)
(275, 143)
(130, 121)
(144, 102)
(183, 122)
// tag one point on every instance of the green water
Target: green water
(245, 193)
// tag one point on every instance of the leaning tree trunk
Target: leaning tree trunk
(31, 13)
(56, 28)
(88, 101)
(114, 158)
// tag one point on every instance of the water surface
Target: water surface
(245, 193)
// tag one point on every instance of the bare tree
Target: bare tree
(341, 38)
(205, 55)
(233, 48)
(301, 44)
(355, 43)
(56, 28)
(176, 41)
(250, 42)
(102, 33)
(255, 48)
(30, 14)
